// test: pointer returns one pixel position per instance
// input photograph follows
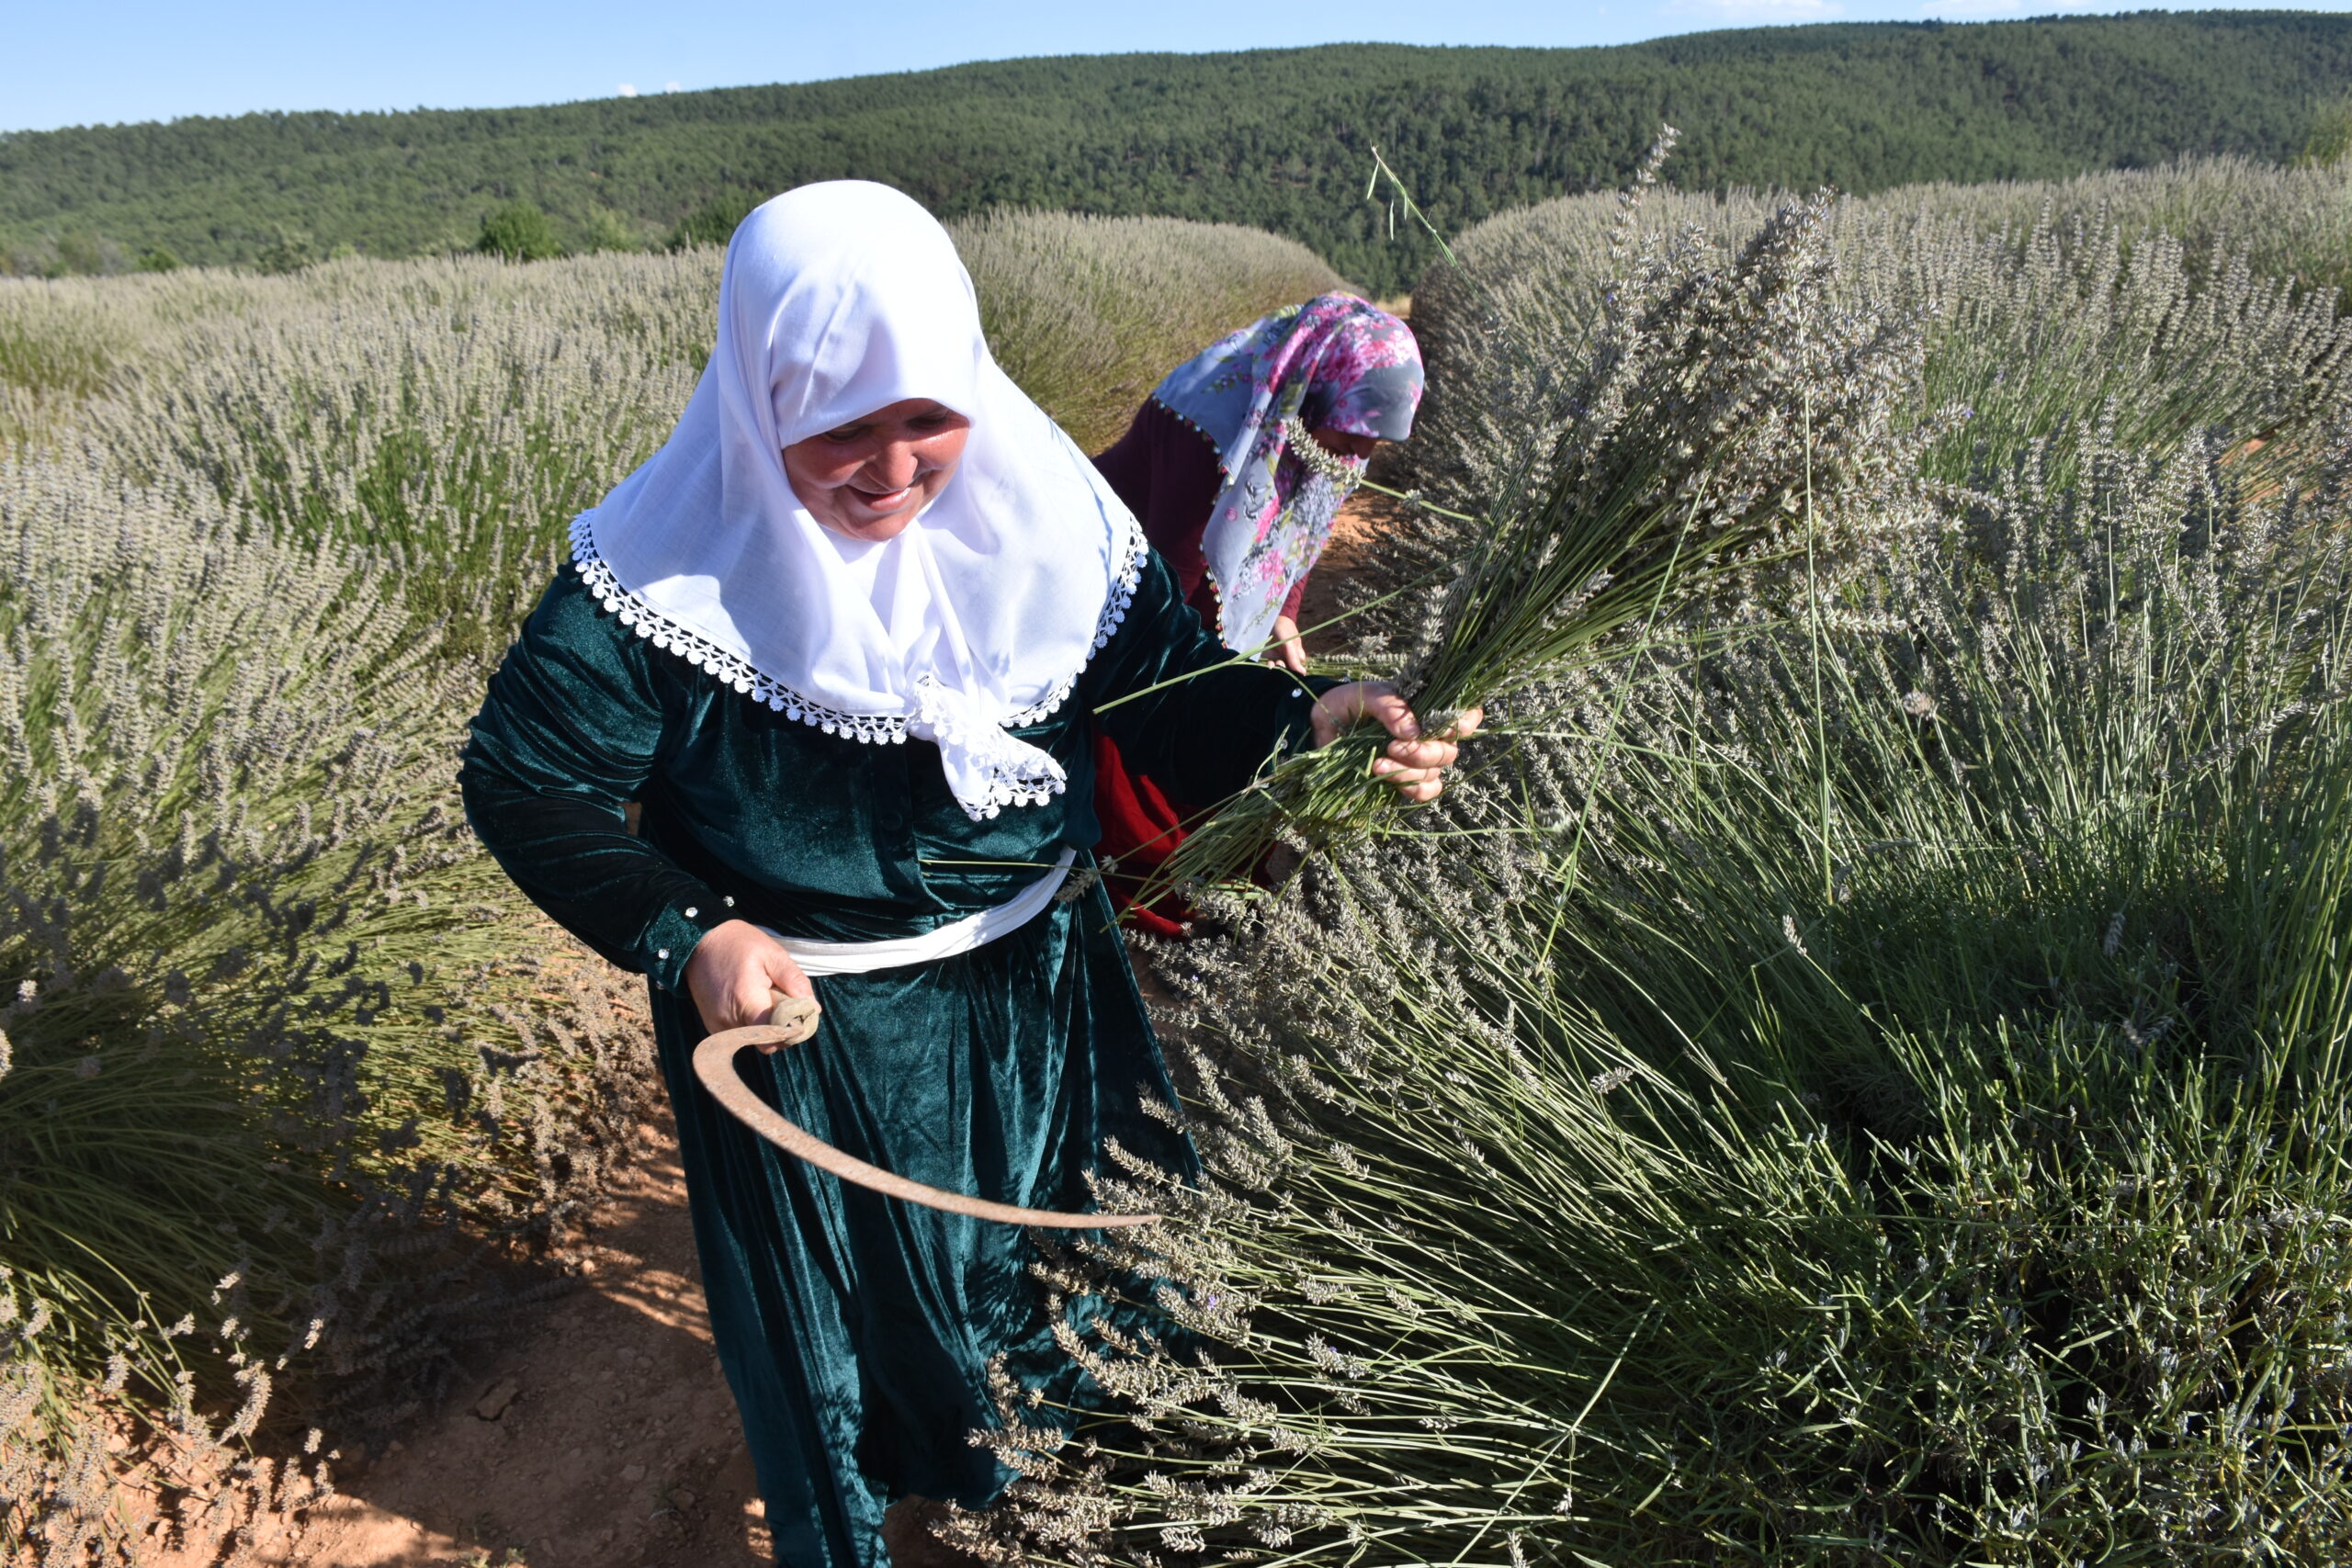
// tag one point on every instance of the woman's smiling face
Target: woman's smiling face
(867, 480)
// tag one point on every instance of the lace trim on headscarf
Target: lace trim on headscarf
(1021, 785)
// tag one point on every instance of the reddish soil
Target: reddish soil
(613, 1441)
(1359, 523)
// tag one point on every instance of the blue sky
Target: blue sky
(89, 62)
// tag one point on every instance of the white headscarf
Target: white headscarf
(838, 299)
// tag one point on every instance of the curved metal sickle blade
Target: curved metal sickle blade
(715, 1066)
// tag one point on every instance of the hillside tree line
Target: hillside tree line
(1276, 138)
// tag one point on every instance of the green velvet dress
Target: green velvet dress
(854, 1329)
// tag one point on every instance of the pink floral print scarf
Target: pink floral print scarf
(1335, 361)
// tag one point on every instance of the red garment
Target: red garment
(1167, 473)
(1139, 831)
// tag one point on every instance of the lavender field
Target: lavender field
(1855, 1075)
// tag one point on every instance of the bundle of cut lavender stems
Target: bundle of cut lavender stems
(1727, 416)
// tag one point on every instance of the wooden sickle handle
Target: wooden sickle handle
(796, 1017)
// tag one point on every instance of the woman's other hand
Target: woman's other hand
(1288, 649)
(735, 970)
(1414, 762)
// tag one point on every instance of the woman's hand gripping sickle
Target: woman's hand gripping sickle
(738, 976)
(1414, 762)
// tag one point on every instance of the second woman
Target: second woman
(1236, 467)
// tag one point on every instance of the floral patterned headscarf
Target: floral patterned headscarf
(1334, 361)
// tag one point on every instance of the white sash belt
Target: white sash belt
(961, 936)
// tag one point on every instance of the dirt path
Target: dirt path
(602, 1434)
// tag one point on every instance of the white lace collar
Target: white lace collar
(1009, 782)
(837, 299)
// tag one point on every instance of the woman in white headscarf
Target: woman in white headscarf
(847, 638)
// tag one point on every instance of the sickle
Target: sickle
(795, 1021)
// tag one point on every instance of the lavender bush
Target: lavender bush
(262, 1003)
(1854, 1078)
(2174, 293)
(1088, 313)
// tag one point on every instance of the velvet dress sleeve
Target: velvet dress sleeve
(1185, 709)
(570, 732)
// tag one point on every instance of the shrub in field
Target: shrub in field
(2330, 138)
(605, 229)
(1870, 1095)
(287, 249)
(2166, 294)
(274, 1023)
(2289, 223)
(1855, 1078)
(518, 231)
(455, 414)
(713, 223)
(52, 349)
(64, 340)
(261, 1015)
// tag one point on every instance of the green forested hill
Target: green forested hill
(1274, 138)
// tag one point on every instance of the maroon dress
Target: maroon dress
(1166, 470)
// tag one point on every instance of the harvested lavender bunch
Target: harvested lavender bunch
(1726, 422)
